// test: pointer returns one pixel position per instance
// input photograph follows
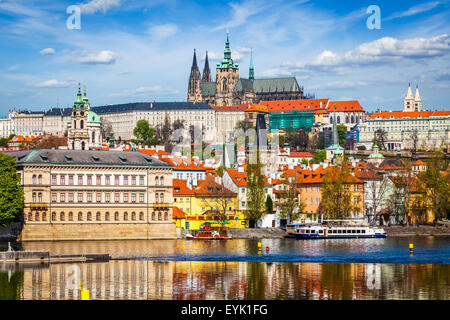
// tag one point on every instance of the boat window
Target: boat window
(353, 231)
(363, 231)
(339, 231)
(358, 231)
(320, 231)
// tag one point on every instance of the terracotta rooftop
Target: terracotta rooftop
(298, 105)
(342, 106)
(415, 114)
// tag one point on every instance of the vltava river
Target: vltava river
(236, 269)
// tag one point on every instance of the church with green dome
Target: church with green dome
(84, 126)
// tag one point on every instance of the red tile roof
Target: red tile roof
(258, 108)
(412, 114)
(298, 105)
(342, 106)
(178, 213)
(301, 155)
(242, 107)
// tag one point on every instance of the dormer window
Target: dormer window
(68, 158)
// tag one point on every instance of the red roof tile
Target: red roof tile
(415, 114)
(342, 106)
(298, 105)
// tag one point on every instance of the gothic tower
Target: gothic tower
(227, 75)
(206, 71)
(409, 100)
(78, 135)
(194, 86)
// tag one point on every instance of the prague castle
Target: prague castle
(231, 90)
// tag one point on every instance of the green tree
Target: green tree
(305, 162)
(337, 199)
(4, 141)
(435, 186)
(291, 205)
(319, 157)
(144, 133)
(342, 130)
(255, 190)
(269, 204)
(11, 191)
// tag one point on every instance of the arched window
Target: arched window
(30, 217)
(125, 216)
(161, 181)
(81, 124)
(159, 216)
(34, 197)
(53, 216)
(36, 216)
(116, 216)
(346, 119)
(352, 119)
(82, 145)
(61, 216)
(141, 216)
(89, 216)
(44, 216)
(161, 197)
(40, 179)
(34, 179)
(80, 216)
(156, 181)
(331, 120)
(97, 216)
(153, 216)
(133, 216)
(224, 85)
(40, 197)
(157, 197)
(70, 216)
(74, 124)
(338, 119)
(93, 137)
(107, 216)
(166, 216)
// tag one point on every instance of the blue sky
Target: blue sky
(141, 50)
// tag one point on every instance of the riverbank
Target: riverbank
(399, 231)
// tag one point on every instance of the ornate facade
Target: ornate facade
(84, 127)
(230, 90)
(95, 195)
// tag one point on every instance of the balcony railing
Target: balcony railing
(38, 205)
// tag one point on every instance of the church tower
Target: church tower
(409, 100)
(251, 71)
(417, 101)
(194, 86)
(78, 134)
(227, 75)
(206, 71)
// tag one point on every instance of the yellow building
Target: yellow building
(206, 201)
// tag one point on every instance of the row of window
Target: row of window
(155, 216)
(99, 197)
(100, 179)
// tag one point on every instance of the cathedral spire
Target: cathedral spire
(194, 61)
(251, 72)
(206, 71)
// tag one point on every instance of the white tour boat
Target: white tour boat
(303, 231)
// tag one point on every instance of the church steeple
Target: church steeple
(227, 61)
(417, 100)
(206, 71)
(251, 72)
(409, 100)
(194, 86)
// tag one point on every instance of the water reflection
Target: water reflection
(389, 250)
(181, 280)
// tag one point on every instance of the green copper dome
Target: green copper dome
(227, 61)
(93, 117)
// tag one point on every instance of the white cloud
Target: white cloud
(163, 31)
(102, 57)
(241, 12)
(51, 84)
(47, 51)
(424, 7)
(94, 6)
(380, 52)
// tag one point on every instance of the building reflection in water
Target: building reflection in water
(194, 280)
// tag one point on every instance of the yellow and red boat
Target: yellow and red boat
(211, 231)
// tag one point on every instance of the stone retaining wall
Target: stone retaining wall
(98, 231)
